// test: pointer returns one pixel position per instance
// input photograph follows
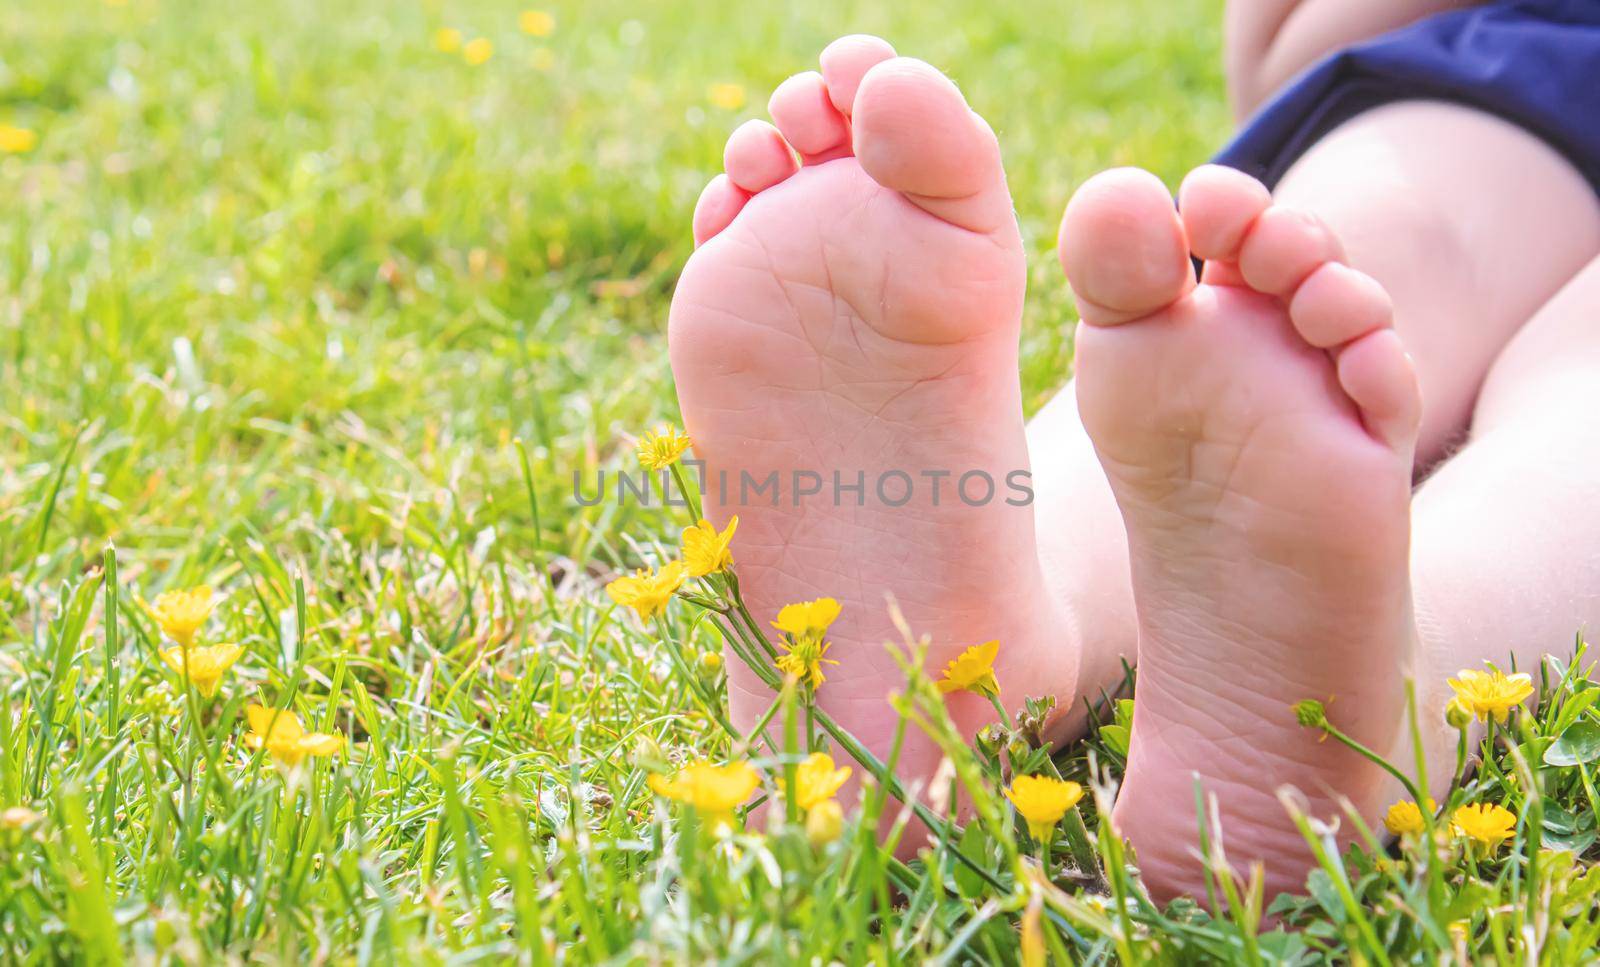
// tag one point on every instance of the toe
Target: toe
(1123, 247)
(718, 204)
(914, 133)
(805, 114)
(1377, 373)
(1336, 304)
(1218, 205)
(846, 61)
(756, 157)
(1283, 247)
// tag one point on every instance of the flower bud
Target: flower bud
(1311, 713)
(1457, 714)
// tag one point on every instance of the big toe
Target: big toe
(914, 133)
(1123, 247)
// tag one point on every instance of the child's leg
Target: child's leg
(1507, 533)
(1469, 222)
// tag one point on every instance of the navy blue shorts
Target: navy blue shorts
(1535, 63)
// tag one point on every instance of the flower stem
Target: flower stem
(707, 704)
(690, 497)
(1411, 787)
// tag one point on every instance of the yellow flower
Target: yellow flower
(204, 667)
(17, 817)
(477, 51)
(280, 732)
(181, 613)
(711, 663)
(816, 781)
(809, 618)
(661, 449)
(447, 40)
(804, 658)
(17, 140)
(1490, 694)
(1487, 824)
(536, 23)
(1032, 951)
(647, 592)
(973, 671)
(714, 791)
(1042, 801)
(825, 822)
(705, 551)
(729, 97)
(1405, 819)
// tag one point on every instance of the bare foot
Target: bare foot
(1258, 431)
(857, 313)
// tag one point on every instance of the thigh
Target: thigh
(1506, 535)
(1469, 221)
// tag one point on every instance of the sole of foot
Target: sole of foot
(1257, 427)
(847, 328)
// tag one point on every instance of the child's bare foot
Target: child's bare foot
(857, 314)
(1258, 433)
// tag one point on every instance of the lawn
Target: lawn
(323, 305)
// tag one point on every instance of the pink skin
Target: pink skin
(1257, 430)
(854, 305)
(1254, 435)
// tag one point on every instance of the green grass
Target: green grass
(280, 285)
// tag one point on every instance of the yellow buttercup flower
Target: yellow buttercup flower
(816, 781)
(536, 23)
(1404, 818)
(809, 618)
(478, 51)
(647, 592)
(714, 791)
(279, 731)
(1042, 801)
(804, 657)
(1491, 694)
(17, 140)
(1486, 824)
(181, 613)
(705, 551)
(973, 671)
(662, 448)
(729, 97)
(204, 667)
(447, 40)
(824, 822)
(17, 817)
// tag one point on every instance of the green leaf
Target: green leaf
(1320, 885)
(1579, 743)
(1115, 738)
(973, 845)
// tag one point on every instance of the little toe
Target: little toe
(803, 111)
(719, 203)
(1336, 304)
(1123, 247)
(846, 61)
(1283, 247)
(756, 157)
(1379, 376)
